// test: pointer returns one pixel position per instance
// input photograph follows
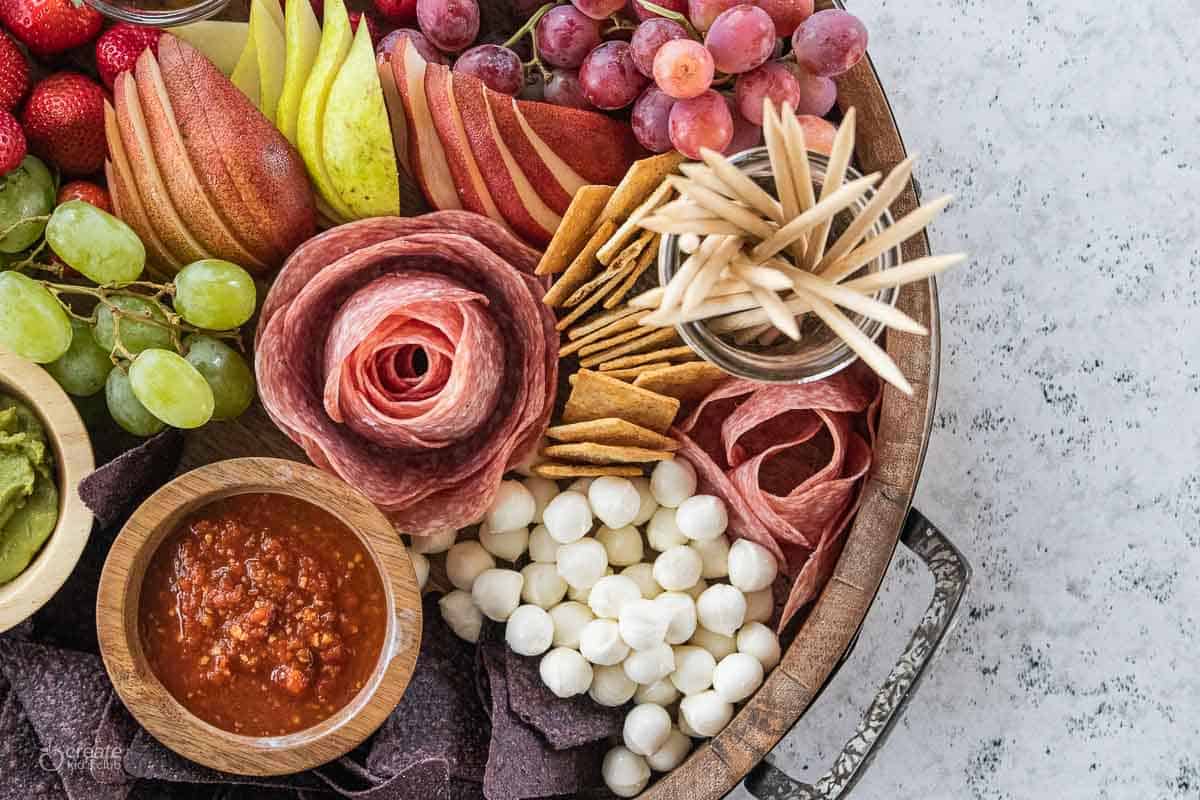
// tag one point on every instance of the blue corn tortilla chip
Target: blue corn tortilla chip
(565, 723)
(116, 732)
(426, 779)
(113, 490)
(21, 752)
(149, 758)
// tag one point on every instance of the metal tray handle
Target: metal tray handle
(951, 574)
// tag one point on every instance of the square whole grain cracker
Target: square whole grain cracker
(611, 431)
(627, 374)
(681, 353)
(622, 325)
(615, 274)
(590, 453)
(656, 338)
(548, 469)
(685, 382)
(597, 396)
(575, 229)
(642, 178)
(600, 345)
(601, 321)
(582, 268)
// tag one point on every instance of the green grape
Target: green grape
(95, 243)
(83, 369)
(27, 191)
(136, 336)
(171, 389)
(214, 294)
(33, 324)
(227, 373)
(126, 409)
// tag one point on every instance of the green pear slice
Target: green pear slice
(269, 48)
(245, 74)
(221, 41)
(302, 36)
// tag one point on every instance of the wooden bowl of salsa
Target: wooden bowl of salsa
(259, 616)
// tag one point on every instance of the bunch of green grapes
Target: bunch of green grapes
(159, 351)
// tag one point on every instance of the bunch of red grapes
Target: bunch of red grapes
(695, 72)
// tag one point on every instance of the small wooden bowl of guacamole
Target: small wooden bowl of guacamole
(44, 453)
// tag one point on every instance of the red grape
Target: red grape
(565, 35)
(772, 80)
(498, 67)
(564, 89)
(651, 120)
(703, 121)
(703, 12)
(786, 14)
(829, 42)
(599, 9)
(642, 13)
(818, 133)
(683, 68)
(741, 38)
(745, 134)
(423, 46)
(609, 78)
(397, 12)
(817, 94)
(650, 36)
(450, 24)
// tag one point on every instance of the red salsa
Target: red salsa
(263, 614)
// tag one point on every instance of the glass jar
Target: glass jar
(819, 353)
(159, 13)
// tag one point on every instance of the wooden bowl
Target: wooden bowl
(160, 713)
(72, 449)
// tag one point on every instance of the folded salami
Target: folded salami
(413, 358)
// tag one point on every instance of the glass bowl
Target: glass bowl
(159, 13)
(819, 353)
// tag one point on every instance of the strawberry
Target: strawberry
(119, 47)
(51, 26)
(12, 143)
(372, 24)
(86, 191)
(64, 119)
(14, 74)
(397, 12)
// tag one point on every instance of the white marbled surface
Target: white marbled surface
(1064, 458)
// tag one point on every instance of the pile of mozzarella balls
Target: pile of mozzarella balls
(632, 591)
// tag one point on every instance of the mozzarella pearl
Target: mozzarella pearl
(506, 545)
(718, 644)
(646, 728)
(582, 563)
(420, 566)
(758, 640)
(751, 566)
(497, 592)
(614, 500)
(672, 482)
(678, 568)
(568, 517)
(760, 605)
(686, 729)
(611, 594)
(693, 669)
(460, 613)
(543, 587)
(438, 542)
(648, 505)
(465, 562)
(565, 672)
(648, 666)
(702, 517)
(513, 507)
(529, 631)
(643, 625)
(714, 557)
(721, 609)
(542, 547)
(625, 773)
(611, 686)
(662, 691)
(643, 575)
(623, 545)
(672, 753)
(600, 642)
(689, 242)
(582, 593)
(662, 533)
(737, 676)
(543, 490)
(706, 713)
(679, 609)
(569, 619)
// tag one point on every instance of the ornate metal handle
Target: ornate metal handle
(951, 574)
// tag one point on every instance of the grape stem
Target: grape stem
(672, 15)
(530, 27)
(23, 221)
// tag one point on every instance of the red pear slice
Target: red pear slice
(178, 174)
(255, 179)
(508, 185)
(425, 153)
(135, 138)
(554, 180)
(601, 149)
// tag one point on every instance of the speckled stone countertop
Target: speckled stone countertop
(1064, 460)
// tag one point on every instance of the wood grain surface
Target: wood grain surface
(154, 707)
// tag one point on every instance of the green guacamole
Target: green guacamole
(28, 496)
